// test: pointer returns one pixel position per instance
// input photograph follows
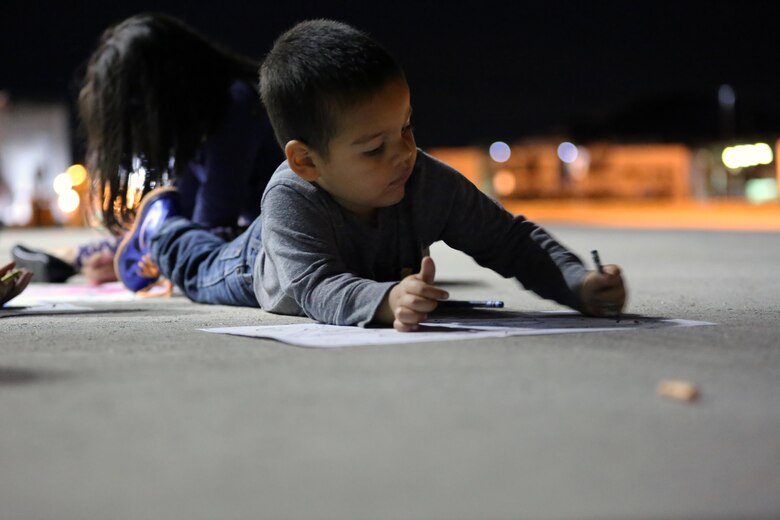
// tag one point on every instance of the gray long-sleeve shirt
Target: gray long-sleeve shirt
(321, 261)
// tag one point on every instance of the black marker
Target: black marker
(470, 304)
(597, 261)
(608, 308)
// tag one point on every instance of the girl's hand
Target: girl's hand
(99, 268)
(12, 282)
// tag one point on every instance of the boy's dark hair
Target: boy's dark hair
(153, 87)
(315, 71)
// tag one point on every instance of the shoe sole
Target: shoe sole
(41, 265)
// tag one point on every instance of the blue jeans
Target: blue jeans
(205, 267)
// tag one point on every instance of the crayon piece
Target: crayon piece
(678, 390)
(11, 275)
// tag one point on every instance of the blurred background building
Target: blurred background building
(35, 148)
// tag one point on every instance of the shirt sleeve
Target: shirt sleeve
(470, 221)
(300, 243)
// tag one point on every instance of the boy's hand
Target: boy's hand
(603, 294)
(408, 303)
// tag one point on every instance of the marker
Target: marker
(600, 268)
(597, 261)
(470, 304)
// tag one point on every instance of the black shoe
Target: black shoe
(46, 268)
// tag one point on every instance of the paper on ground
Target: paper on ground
(40, 293)
(45, 309)
(449, 329)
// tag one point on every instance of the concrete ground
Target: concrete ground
(132, 412)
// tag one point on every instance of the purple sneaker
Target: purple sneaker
(133, 262)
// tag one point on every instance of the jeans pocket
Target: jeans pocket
(228, 262)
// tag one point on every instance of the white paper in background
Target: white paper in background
(44, 309)
(47, 293)
(494, 325)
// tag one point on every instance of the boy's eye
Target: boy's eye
(375, 151)
(406, 129)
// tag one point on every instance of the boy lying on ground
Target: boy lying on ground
(346, 221)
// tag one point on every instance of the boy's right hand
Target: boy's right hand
(409, 302)
(603, 294)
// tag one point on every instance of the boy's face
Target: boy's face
(372, 154)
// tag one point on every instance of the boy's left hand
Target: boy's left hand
(603, 294)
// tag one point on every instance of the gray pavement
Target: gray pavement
(134, 413)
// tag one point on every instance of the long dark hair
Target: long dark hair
(153, 90)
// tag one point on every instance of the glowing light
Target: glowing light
(500, 151)
(761, 190)
(726, 95)
(504, 182)
(62, 183)
(567, 152)
(69, 201)
(78, 174)
(745, 155)
(135, 184)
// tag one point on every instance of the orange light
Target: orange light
(78, 174)
(504, 182)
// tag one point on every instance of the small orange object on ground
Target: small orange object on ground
(678, 389)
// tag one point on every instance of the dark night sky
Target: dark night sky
(479, 71)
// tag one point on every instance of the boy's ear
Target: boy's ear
(300, 160)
